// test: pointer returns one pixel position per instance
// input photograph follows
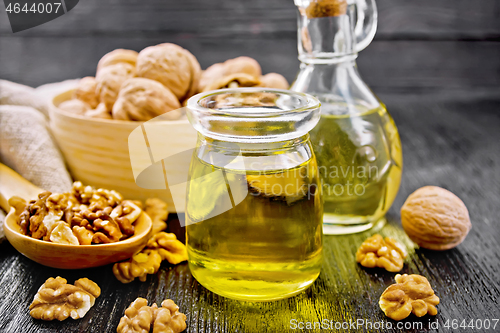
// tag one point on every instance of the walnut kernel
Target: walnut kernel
(58, 300)
(139, 317)
(168, 247)
(410, 293)
(162, 246)
(378, 252)
(158, 212)
(146, 262)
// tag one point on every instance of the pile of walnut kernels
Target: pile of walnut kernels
(56, 299)
(86, 216)
(83, 216)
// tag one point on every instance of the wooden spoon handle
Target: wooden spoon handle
(12, 183)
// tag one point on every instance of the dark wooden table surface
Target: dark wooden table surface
(449, 140)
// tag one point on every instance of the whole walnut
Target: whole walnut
(211, 74)
(86, 91)
(118, 56)
(435, 218)
(274, 80)
(143, 99)
(109, 81)
(233, 81)
(74, 106)
(239, 65)
(171, 65)
(242, 65)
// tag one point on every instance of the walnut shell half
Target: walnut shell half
(435, 218)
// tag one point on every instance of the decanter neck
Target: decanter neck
(326, 32)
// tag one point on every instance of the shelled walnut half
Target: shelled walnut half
(410, 293)
(56, 299)
(140, 318)
(162, 246)
(157, 210)
(379, 252)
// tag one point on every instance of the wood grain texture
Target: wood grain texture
(449, 140)
(230, 18)
(386, 66)
(428, 44)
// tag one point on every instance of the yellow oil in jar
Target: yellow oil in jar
(269, 245)
(360, 164)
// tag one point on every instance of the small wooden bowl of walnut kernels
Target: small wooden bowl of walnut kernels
(63, 255)
(77, 256)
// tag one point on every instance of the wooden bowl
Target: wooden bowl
(77, 256)
(97, 151)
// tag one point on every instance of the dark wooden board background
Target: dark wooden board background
(436, 64)
(420, 45)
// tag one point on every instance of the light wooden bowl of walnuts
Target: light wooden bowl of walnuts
(92, 124)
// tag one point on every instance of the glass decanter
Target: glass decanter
(356, 141)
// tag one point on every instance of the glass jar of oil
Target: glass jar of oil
(254, 208)
(356, 142)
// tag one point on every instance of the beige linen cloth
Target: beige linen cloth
(26, 144)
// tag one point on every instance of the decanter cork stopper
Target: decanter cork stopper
(326, 8)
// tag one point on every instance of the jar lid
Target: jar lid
(253, 114)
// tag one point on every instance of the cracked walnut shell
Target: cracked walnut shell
(411, 293)
(58, 300)
(435, 218)
(139, 317)
(378, 252)
(143, 99)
